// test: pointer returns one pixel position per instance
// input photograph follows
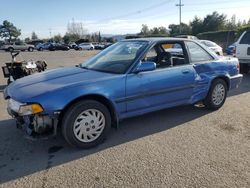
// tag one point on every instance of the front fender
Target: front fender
(57, 100)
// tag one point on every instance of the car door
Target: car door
(16, 46)
(243, 48)
(161, 88)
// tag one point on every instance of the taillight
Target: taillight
(234, 51)
(238, 67)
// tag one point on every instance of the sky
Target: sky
(50, 17)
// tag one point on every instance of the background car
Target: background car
(187, 37)
(230, 50)
(42, 46)
(99, 46)
(19, 45)
(213, 46)
(57, 46)
(243, 51)
(85, 46)
(72, 45)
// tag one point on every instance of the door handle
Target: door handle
(185, 71)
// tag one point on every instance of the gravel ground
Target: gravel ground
(180, 147)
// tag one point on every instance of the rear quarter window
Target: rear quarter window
(246, 38)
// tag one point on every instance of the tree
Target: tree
(214, 22)
(163, 30)
(145, 30)
(71, 37)
(231, 23)
(196, 25)
(76, 29)
(27, 40)
(57, 38)
(9, 31)
(34, 36)
(66, 39)
(175, 29)
(154, 31)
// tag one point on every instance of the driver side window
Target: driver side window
(151, 55)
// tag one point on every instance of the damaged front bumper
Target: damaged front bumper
(34, 124)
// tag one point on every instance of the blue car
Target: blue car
(129, 78)
(230, 50)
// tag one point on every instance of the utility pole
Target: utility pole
(180, 5)
(50, 32)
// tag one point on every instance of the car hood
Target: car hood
(40, 83)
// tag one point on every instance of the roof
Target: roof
(157, 39)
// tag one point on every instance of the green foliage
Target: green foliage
(156, 31)
(175, 29)
(241, 29)
(34, 36)
(69, 37)
(9, 31)
(196, 25)
(145, 30)
(57, 38)
(27, 40)
(214, 22)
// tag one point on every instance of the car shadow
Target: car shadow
(20, 156)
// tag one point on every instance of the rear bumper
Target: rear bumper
(235, 81)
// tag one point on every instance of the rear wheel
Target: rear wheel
(217, 95)
(30, 49)
(10, 49)
(86, 124)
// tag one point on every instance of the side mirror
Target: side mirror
(145, 66)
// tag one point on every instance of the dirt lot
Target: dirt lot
(181, 147)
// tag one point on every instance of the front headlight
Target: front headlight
(24, 109)
(30, 109)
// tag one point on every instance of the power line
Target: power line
(138, 11)
(217, 2)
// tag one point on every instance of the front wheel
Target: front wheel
(86, 124)
(30, 49)
(217, 95)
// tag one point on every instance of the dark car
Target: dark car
(56, 46)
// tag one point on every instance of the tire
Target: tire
(77, 134)
(213, 101)
(30, 49)
(244, 68)
(91, 48)
(40, 49)
(10, 49)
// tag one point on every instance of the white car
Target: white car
(19, 45)
(213, 46)
(243, 51)
(86, 46)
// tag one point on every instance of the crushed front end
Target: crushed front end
(31, 118)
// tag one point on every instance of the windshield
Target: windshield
(116, 58)
(209, 43)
